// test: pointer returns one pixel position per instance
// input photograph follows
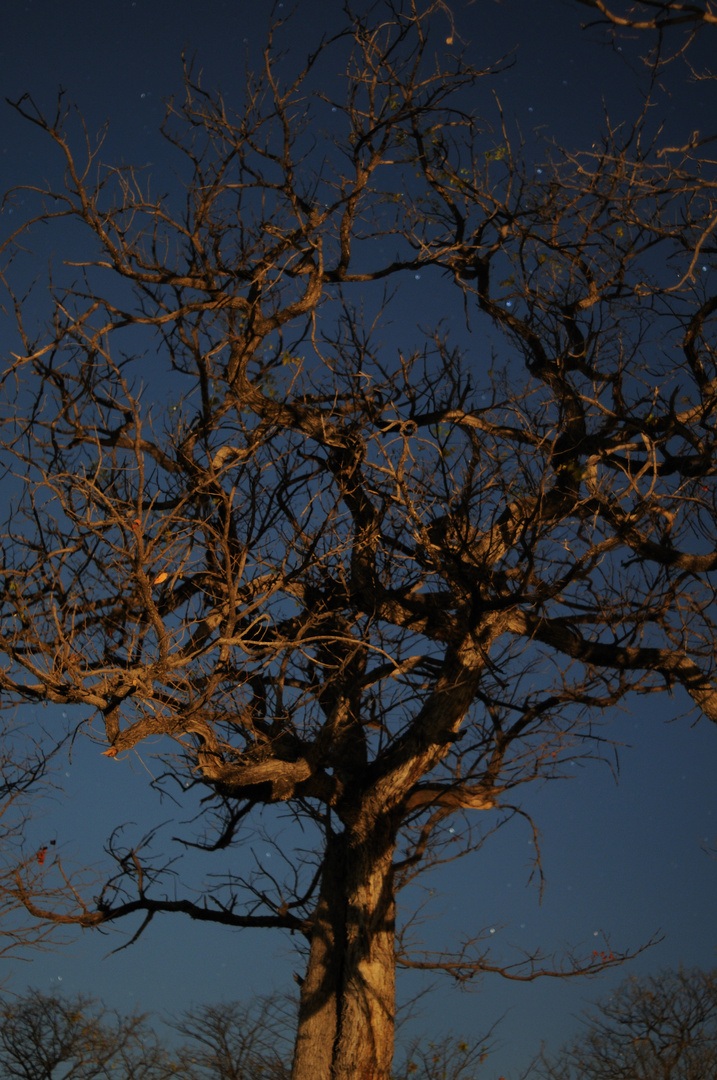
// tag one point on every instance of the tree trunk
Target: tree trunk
(347, 1009)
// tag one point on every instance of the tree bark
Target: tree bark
(347, 1010)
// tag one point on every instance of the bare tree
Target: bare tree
(238, 1041)
(663, 1027)
(374, 581)
(447, 1058)
(48, 1037)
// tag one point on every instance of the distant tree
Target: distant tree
(662, 1027)
(237, 1041)
(50, 1037)
(359, 577)
(447, 1058)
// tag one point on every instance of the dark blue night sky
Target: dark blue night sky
(624, 842)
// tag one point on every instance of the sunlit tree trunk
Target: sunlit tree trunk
(347, 1010)
(316, 1033)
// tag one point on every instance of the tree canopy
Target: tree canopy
(45, 1037)
(661, 1027)
(323, 560)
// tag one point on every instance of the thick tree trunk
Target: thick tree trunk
(347, 1010)
(316, 1034)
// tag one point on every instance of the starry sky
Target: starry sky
(622, 847)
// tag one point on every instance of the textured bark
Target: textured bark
(316, 1032)
(347, 1011)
